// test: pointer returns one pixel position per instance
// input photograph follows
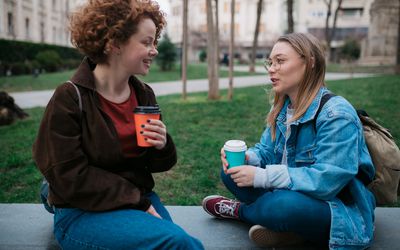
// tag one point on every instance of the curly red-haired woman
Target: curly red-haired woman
(100, 179)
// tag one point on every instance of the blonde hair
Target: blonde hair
(312, 52)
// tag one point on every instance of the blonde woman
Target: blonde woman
(301, 184)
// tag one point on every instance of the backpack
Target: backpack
(44, 187)
(385, 156)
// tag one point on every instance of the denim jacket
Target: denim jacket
(324, 155)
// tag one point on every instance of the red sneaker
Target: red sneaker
(221, 207)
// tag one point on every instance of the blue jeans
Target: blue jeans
(120, 229)
(283, 211)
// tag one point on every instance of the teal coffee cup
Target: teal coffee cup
(235, 151)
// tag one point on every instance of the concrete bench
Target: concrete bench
(29, 227)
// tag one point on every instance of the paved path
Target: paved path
(41, 98)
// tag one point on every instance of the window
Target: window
(54, 35)
(27, 28)
(176, 11)
(10, 23)
(237, 7)
(42, 32)
(352, 12)
(227, 7)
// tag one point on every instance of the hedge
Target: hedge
(21, 57)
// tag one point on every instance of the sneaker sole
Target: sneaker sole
(265, 237)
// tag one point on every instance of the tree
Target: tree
(184, 47)
(255, 39)
(330, 32)
(290, 16)
(231, 47)
(213, 91)
(167, 55)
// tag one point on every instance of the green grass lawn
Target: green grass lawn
(52, 80)
(199, 128)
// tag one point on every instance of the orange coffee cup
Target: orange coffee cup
(141, 114)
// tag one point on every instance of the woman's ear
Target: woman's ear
(115, 48)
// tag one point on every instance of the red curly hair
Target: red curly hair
(101, 23)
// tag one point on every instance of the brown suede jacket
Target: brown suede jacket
(80, 155)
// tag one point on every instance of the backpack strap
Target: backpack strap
(44, 188)
(78, 93)
(324, 99)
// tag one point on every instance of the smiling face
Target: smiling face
(287, 69)
(137, 54)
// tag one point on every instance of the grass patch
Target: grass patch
(199, 128)
(52, 80)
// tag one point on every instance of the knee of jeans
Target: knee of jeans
(286, 202)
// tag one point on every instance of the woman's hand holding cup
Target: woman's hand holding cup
(233, 154)
(150, 130)
(155, 133)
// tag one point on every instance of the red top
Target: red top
(121, 115)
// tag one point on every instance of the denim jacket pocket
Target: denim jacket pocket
(305, 155)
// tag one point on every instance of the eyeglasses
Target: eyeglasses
(269, 63)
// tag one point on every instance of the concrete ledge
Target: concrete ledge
(29, 227)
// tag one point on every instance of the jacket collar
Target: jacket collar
(309, 114)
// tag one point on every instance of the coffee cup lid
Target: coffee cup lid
(147, 110)
(235, 146)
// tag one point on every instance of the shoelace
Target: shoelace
(226, 208)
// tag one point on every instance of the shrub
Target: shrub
(166, 54)
(50, 60)
(21, 68)
(202, 56)
(351, 50)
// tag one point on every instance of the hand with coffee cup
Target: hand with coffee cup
(233, 157)
(150, 130)
(233, 153)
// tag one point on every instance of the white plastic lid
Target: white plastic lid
(235, 146)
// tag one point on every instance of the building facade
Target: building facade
(43, 21)
(309, 16)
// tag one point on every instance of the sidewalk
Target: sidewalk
(40, 98)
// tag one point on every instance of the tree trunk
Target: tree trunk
(398, 47)
(211, 51)
(290, 16)
(231, 48)
(216, 42)
(184, 48)
(217, 52)
(255, 40)
(327, 33)
(330, 32)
